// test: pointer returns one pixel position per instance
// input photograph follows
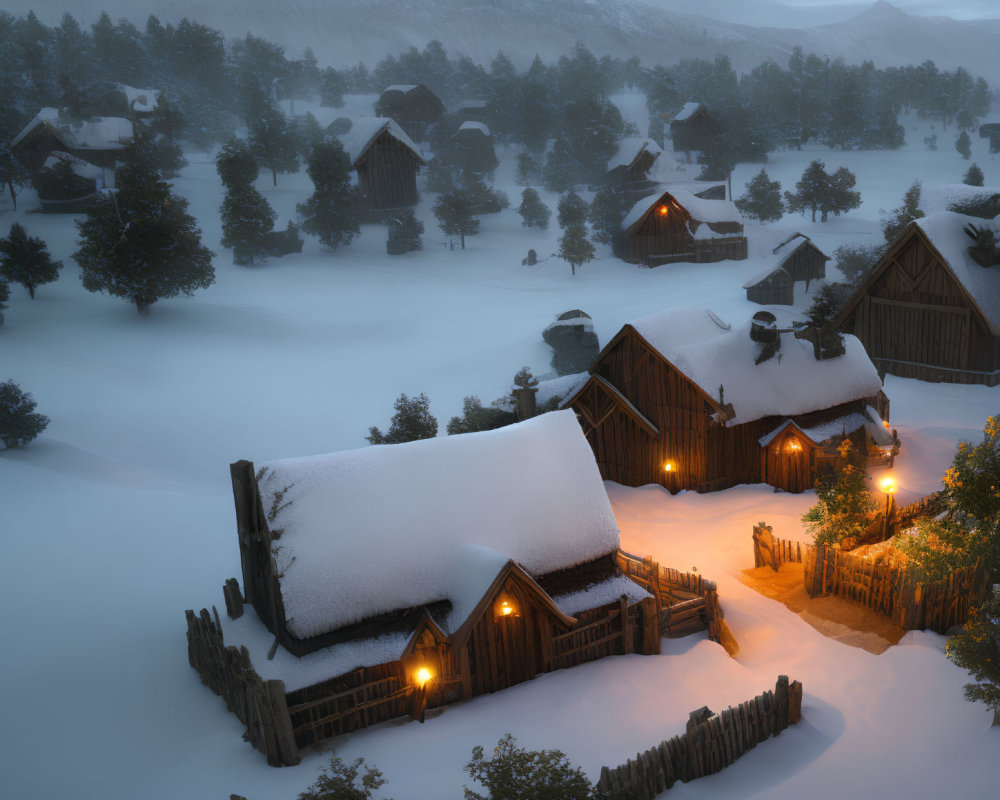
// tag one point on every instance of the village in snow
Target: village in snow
(427, 412)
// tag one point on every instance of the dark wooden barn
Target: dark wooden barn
(676, 225)
(679, 399)
(415, 107)
(772, 288)
(69, 159)
(474, 111)
(692, 128)
(472, 149)
(386, 161)
(931, 307)
(801, 258)
(631, 164)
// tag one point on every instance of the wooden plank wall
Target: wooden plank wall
(712, 742)
(707, 251)
(387, 173)
(259, 704)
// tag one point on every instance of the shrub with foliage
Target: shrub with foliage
(896, 221)
(339, 781)
(977, 649)
(412, 420)
(518, 774)
(845, 506)
(973, 176)
(762, 200)
(933, 549)
(964, 145)
(26, 260)
(404, 232)
(856, 262)
(19, 423)
(534, 213)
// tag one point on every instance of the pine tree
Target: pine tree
(527, 168)
(572, 210)
(964, 145)
(534, 213)
(810, 190)
(236, 164)
(762, 200)
(139, 242)
(575, 247)
(606, 213)
(272, 139)
(842, 196)
(332, 212)
(477, 417)
(19, 423)
(405, 231)
(412, 421)
(26, 260)
(247, 221)
(902, 216)
(454, 215)
(973, 176)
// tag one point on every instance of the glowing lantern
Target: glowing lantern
(885, 424)
(794, 445)
(669, 467)
(423, 675)
(663, 211)
(888, 485)
(506, 609)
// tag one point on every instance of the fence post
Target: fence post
(763, 547)
(650, 627)
(626, 631)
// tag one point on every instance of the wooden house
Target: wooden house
(386, 161)
(801, 258)
(774, 287)
(474, 111)
(396, 578)
(931, 307)
(676, 225)
(632, 162)
(110, 99)
(415, 107)
(472, 149)
(692, 128)
(684, 400)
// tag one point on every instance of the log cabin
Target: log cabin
(632, 162)
(687, 401)
(931, 307)
(801, 259)
(692, 128)
(386, 161)
(676, 225)
(70, 160)
(413, 106)
(774, 287)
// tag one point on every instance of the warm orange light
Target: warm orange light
(885, 424)
(423, 675)
(669, 467)
(663, 211)
(794, 445)
(506, 609)
(888, 485)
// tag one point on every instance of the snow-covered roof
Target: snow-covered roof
(762, 275)
(945, 231)
(785, 250)
(711, 353)
(475, 126)
(365, 130)
(698, 207)
(847, 424)
(938, 198)
(686, 112)
(629, 148)
(100, 133)
(368, 531)
(405, 88)
(140, 100)
(77, 165)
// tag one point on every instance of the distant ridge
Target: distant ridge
(343, 32)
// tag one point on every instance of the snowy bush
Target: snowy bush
(514, 773)
(412, 420)
(18, 422)
(339, 781)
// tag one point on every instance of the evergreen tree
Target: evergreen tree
(273, 141)
(139, 242)
(572, 210)
(26, 260)
(19, 423)
(900, 217)
(973, 176)
(762, 200)
(332, 212)
(534, 213)
(977, 649)
(818, 191)
(527, 168)
(845, 506)
(964, 145)
(856, 262)
(575, 247)
(412, 421)
(339, 781)
(606, 213)
(405, 231)
(842, 196)
(236, 164)
(247, 220)
(454, 215)
(476, 417)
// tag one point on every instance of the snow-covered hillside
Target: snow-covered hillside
(120, 515)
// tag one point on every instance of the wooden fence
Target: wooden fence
(770, 551)
(712, 742)
(887, 590)
(686, 601)
(227, 671)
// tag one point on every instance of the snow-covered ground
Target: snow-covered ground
(120, 515)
